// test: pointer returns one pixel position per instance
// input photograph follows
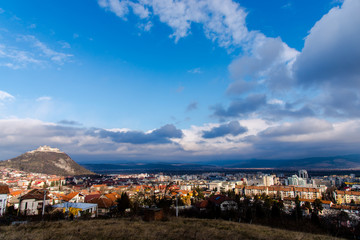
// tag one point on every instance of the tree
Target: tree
(123, 203)
(276, 210)
(200, 194)
(308, 206)
(317, 206)
(297, 210)
(230, 194)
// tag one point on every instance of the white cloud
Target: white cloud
(6, 96)
(57, 57)
(15, 58)
(120, 8)
(195, 71)
(304, 138)
(331, 51)
(27, 50)
(222, 21)
(276, 101)
(268, 61)
(44, 98)
(64, 44)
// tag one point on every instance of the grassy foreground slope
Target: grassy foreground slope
(182, 228)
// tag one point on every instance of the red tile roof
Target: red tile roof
(91, 196)
(4, 189)
(37, 194)
(102, 202)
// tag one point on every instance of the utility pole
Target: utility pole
(43, 209)
(177, 205)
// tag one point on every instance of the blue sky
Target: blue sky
(180, 80)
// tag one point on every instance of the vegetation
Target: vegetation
(47, 163)
(176, 228)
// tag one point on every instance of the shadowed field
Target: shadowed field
(182, 228)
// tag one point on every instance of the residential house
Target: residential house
(347, 197)
(280, 191)
(4, 191)
(75, 197)
(78, 209)
(104, 204)
(32, 202)
(223, 202)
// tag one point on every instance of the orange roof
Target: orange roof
(70, 196)
(112, 196)
(15, 193)
(94, 192)
(183, 191)
(102, 202)
(98, 186)
(347, 193)
(58, 195)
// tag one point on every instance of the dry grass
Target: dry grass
(182, 228)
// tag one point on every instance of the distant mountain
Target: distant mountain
(46, 160)
(316, 163)
(336, 162)
(147, 167)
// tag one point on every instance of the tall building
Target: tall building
(268, 180)
(303, 174)
(293, 180)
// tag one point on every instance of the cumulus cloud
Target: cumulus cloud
(157, 136)
(19, 135)
(252, 138)
(331, 51)
(241, 107)
(222, 21)
(330, 61)
(232, 128)
(269, 60)
(305, 126)
(324, 77)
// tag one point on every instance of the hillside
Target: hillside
(46, 160)
(182, 228)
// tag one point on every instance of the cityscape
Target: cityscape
(331, 203)
(179, 119)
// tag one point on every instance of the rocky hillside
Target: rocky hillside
(46, 160)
